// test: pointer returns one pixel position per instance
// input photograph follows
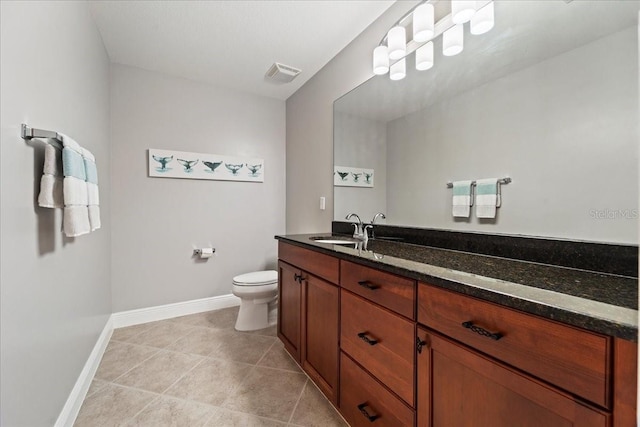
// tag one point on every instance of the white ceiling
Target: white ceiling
(232, 43)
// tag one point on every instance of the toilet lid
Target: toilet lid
(256, 278)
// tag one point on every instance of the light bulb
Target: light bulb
(453, 40)
(380, 60)
(423, 23)
(397, 42)
(483, 20)
(398, 71)
(462, 10)
(424, 57)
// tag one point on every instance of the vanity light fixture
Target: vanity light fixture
(453, 40)
(390, 54)
(398, 71)
(483, 20)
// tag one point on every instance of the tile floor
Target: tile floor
(198, 371)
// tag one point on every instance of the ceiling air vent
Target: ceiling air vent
(282, 73)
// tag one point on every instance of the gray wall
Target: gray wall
(310, 126)
(361, 143)
(565, 129)
(157, 222)
(55, 292)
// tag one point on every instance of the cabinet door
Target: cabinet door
(289, 294)
(459, 387)
(320, 334)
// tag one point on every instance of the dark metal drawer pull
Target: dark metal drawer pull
(363, 336)
(478, 330)
(362, 407)
(367, 284)
(297, 277)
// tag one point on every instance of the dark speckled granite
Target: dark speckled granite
(606, 258)
(599, 302)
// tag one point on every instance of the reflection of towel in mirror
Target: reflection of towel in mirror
(461, 199)
(51, 182)
(486, 197)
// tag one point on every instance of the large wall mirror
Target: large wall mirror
(549, 97)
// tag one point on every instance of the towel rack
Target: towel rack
(29, 133)
(504, 180)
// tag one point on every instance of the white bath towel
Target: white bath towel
(486, 197)
(51, 195)
(76, 221)
(75, 192)
(461, 199)
(94, 217)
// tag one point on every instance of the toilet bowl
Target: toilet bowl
(258, 293)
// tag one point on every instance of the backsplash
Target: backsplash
(593, 256)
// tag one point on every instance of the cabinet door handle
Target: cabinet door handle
(367, 284)
(363, 336)
(481, 331)
(420, 343)
(363, 409)
(297, 277)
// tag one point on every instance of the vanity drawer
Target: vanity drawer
(362, 398)
(570, 358)
(381, 341)
(391, 291)
(321, 265)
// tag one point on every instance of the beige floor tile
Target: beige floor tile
(128, 333)
(112, 406)
(200, 341)
(120, 357)
(96, 385)
(267, 392)
(242, 348)
(277, 357)
(210, 382)
(238, 419)
(218, 319)
(271, 331)
(160, 371)
(314, 410)
(167, 411)
(163, 334)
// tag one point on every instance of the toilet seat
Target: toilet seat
(257, 278)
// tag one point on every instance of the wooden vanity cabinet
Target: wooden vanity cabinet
(403, 353)
(458, 386)
(308, 313)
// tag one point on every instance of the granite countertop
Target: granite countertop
(598, 302)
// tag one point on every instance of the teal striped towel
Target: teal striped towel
(461, 199)
(486, 197)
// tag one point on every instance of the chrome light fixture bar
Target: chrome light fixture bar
(392, 51)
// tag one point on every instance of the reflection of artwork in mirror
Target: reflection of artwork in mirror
(345, 176)
(549, 95)
(181, 164)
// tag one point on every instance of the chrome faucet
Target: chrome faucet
(359, 232)
(373, 221)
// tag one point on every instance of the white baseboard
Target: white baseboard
(73, 404)
(168, 311)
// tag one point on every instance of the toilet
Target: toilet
(258, 293)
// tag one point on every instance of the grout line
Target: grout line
(298, 401)
(157, 350)
(181, 377)
(265, 353)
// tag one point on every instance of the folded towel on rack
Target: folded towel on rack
(51, 195)
(93, 199)
(76, 221)
(486, 197)
(461, 199)
(76, 197)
